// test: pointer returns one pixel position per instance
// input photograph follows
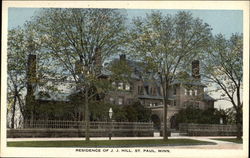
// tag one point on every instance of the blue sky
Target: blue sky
(222, 21)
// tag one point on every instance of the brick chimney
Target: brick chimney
(196, 69)
(31, 74)
(31, 83)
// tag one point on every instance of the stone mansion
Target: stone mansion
(149, 92)
(146, 90)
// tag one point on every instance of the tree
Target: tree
(194, 115)
(16, 71)
(21, 43)
(231, 115)
(167, 44)
(224, 67)
(79, 41)
(136, 112)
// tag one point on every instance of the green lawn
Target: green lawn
(108, 143)
(234, 140)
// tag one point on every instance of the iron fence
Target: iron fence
(207, 127)
(65, 124)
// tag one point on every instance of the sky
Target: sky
(225, 22)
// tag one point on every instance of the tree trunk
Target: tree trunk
(238, 115)
(86, 115)
(165, 131)
(239, 124)
(13, 113)
(165, 112)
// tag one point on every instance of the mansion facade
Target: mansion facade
(145, 89)
(149, 93)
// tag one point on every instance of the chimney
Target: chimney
(196, 69)
(122, 57)
(31, 72)
(31, 81)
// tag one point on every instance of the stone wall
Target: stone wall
(207, 129)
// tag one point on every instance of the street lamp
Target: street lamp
(221, 121)
(110, 116)
(110, 113)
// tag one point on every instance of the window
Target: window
(113, 84)
(185, 92)
(190, 92)
(147, 89)
(174, 90)
(120, 85)
(150, 104)
(159, 90)
(195, 92)
(120, 101)
(174, 103)
(151, 91)
(127, 87)
(140, 90)
(112, 100)
(154, 91)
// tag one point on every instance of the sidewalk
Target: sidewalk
(219, 145)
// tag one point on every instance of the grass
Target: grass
(109, 143)
(233, 140)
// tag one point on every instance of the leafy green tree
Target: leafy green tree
(168, 44)
(16, 71)
(224, 68)
(142, 113)
(135, 112)
(194, 115)
(21, 43)
(231, 115)
(99, 111)
(79, 41)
